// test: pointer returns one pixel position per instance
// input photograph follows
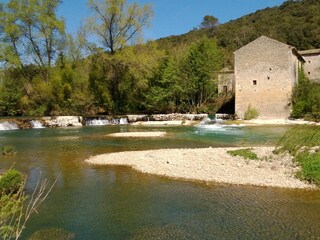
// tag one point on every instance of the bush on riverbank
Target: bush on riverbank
(245, 153)
(306, 99)
(15, 210)
(303, 143)
(10, 181)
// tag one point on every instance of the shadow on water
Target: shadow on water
(119, 203)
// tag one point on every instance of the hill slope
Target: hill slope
(295, 22)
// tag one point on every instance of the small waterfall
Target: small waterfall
(208, 121)
(36, 124)
(123, 121)
(103, 122)
(5, 126)
(97, 122)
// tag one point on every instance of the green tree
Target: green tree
(119, 81)
(165, 91)
(306, 98)
(209, 22)
(11, 91)
(116, 23)
(199, 72)
(32, 33)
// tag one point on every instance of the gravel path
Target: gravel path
(211, 164)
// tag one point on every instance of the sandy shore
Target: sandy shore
(138, 134)
(278, 122)
(210, 164)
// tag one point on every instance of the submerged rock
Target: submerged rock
(52, 234)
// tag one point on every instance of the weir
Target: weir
(6, 126)
(104, 122)
(36, 124)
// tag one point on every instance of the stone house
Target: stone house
(312, 63)
(225, 81)
(265, 73)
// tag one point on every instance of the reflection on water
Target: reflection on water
(119, 203)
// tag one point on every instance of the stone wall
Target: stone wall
(225, 82)
(312, 64)
(265, 73)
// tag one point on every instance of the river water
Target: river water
(119, 203)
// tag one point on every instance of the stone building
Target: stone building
(266, 71)
(312, 63)
(225, 81)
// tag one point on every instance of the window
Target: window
(254, 82)
(225, 89)
(268, 77)
(309, 73)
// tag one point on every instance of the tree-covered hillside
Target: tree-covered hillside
(295, 22)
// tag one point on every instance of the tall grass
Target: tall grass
(303, 143)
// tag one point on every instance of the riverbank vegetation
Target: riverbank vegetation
(15, 206)
(306, 99)
(246, 153)
(303, 143)
(46, 71)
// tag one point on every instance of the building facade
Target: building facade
(312, 63)
(265, 73)
(226, 81)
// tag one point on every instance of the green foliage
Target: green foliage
(310, 167)
(15, 210)
(8, 150)
(209, 22)
(199, 71)
(164, 93)
(303, 142)
(116, 22)
(246, 153)
(251, 113)
(299, 138)
(47, 73)
(31, 33)
(306, 99)
(10, 181)
(294, 22)
(10, 207)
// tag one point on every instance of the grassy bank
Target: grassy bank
(303, 143)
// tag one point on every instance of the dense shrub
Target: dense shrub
(310, 166)
(10, 181)
(306, 99)
(303, 143)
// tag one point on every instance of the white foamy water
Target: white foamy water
(5, 126)
(103, 122)
(97, 122)
(36, 124)
(123, 121)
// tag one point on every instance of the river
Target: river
(119, 203)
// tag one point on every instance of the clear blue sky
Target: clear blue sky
(173, 17)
